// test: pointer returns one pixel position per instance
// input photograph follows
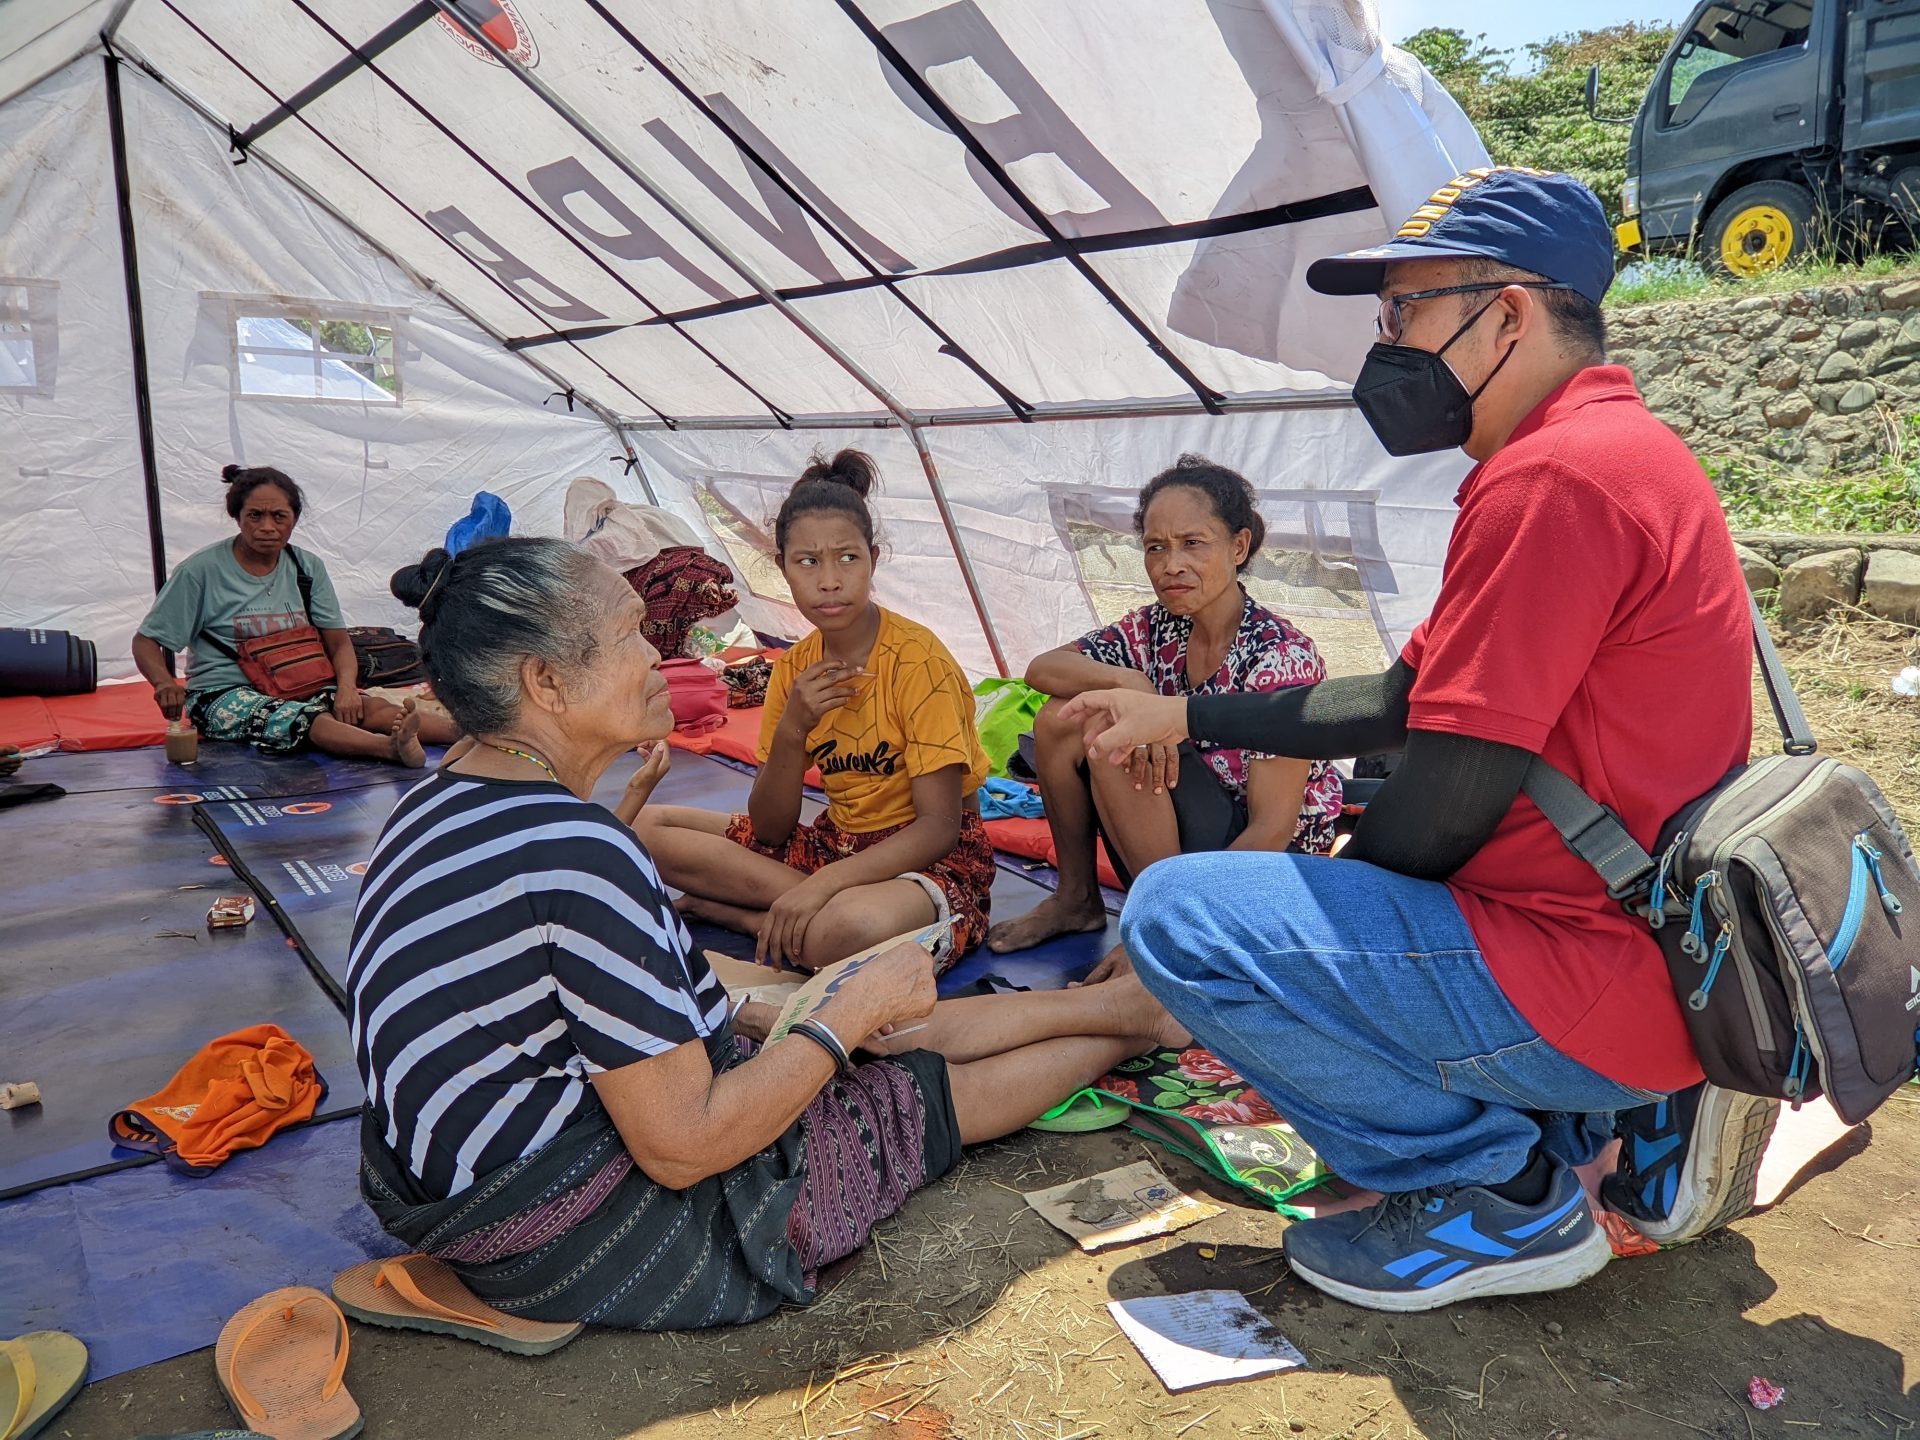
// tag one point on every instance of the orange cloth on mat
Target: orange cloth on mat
(235, 1094)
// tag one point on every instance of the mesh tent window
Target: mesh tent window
(29, 336)
(1320, 567)
(320, 352)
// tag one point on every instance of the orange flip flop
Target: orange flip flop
(417, 1292)
(281, 1361)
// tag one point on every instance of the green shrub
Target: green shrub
(1538, 116)
(1764, 495)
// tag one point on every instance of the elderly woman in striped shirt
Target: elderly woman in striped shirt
(562, 1104)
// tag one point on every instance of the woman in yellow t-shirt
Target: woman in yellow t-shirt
(877, 703)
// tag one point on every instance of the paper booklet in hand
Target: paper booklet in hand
(825, 984)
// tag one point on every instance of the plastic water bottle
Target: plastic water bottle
(1907, 682)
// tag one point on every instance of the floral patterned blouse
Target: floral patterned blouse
(1267, 653)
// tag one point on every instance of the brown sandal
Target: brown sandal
(288, 1383)
(417, 1292)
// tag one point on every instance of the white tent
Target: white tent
(1024, 251)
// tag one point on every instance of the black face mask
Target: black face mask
(1412, 398)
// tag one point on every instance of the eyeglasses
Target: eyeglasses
(1391, 327)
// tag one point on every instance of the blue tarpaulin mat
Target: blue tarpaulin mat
(307, 855)
(146, 1264)
(110, 979)
(232, 771)
(143, 1264)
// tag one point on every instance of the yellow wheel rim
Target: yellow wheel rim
(1759, 239)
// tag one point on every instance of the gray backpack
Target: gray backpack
(1781, 898)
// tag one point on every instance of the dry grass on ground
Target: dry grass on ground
(1843, 671)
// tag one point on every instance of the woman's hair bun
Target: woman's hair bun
(854, 469)
(412, 585)
(231, 473)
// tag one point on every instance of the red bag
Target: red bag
(698, 696)
(289, 665)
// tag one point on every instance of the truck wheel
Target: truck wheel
(1759, 228)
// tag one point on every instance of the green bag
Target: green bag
(1003, 711)
(1192, 1103)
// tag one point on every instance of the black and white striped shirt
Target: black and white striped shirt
(510, 941)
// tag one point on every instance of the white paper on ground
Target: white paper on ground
(1204, 1338)
(1117, 1206)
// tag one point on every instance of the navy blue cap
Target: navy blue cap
(1530, 219)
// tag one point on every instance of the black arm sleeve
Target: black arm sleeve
(1440, 805)
(1351, 715)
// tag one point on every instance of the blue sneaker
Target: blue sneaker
(1689, 1164)
(1429, 1248)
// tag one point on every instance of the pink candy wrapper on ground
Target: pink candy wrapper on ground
(1764, 1393)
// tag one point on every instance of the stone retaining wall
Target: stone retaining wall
(1815, 574)
(1812, 378)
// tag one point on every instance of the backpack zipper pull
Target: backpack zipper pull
(1698, 999)
(1694, 942)
(1888, 900)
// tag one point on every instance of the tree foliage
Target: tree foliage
(1536, 114)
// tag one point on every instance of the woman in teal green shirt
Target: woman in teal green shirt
(239, 589)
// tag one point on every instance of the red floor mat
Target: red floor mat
(114, 717)
(1032, 840)
(26, 724)
(738, 739)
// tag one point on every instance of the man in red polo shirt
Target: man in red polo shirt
(1454, 1013)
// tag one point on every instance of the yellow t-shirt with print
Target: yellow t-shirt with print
(913, 715)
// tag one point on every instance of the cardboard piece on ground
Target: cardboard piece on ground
(825, 983)
(1134, 1202)
(1204, 1338)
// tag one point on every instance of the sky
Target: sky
(1510, 24)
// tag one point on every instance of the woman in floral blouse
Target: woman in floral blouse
(1203, 635)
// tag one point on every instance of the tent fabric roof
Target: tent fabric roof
(682, 246)
(986, 208)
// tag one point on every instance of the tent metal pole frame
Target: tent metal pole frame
(937, 103)
(1072, 410)
(813, 212)
(368, 60)
(220, 123)
(136, 318)
(606, 417)
(344, 69)
(905, 417)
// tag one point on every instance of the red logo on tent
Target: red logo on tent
(359, 867)
(216, 860)
(184, 798)
(500, 22)
(306, 807)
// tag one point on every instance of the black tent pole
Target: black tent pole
(136, 320)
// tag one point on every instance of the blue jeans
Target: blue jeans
(1356, 1001)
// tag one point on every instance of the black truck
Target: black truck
(1774, 125)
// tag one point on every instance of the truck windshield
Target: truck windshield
(1726, 34)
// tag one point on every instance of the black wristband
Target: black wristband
(827, 1041)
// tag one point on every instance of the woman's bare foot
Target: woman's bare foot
(407, 749)
(1140, 1014)
(1055, 915)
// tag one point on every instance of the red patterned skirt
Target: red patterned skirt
(963, 877)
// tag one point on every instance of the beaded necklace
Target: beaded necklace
(528, 756)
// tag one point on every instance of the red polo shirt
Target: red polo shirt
(1592, 611)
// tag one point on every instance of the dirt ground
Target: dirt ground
(972, 1319)
(1843, 670)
